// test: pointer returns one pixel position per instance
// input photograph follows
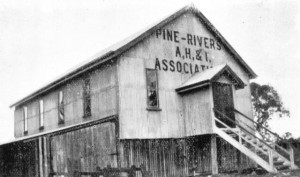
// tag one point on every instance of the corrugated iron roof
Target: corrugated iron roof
(124, 45)
(210, 75)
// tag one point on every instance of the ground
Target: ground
(294, 173)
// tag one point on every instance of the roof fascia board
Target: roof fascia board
(239, 82)
(193, 86)
(218, 35)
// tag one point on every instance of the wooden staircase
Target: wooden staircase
(268, 155)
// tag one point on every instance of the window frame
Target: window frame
(41, 114)
(61, 106)
(25, 120)
(87, 97)
(152, 108)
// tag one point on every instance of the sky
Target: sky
(41, 39)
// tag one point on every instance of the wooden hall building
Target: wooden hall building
(173, 99)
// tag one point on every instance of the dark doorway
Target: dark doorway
(19, 159)
(223, 102)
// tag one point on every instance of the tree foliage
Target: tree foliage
(266, 103)
(287, 136)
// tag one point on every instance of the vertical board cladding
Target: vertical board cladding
(180, 157)
(160, 157)
(103, 84)
(84, 149)
(197, 114)
(230, 159)
(19, 159)
(177, 51)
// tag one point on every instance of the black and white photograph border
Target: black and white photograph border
(149, 88)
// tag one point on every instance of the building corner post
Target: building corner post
(214, 160)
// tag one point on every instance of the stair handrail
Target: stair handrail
(289, 150)
(253, 129)
(244, 129)
(273, 133)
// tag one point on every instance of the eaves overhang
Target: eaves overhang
(209, 76)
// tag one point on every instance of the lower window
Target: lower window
(152, 89)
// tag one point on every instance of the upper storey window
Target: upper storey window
(152, 89)
(61, 109)
(41, 116)
(87, 98)
(25, 119)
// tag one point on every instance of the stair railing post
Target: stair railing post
(273, 145)
(271, 159)
(240, 136)
(292, 156)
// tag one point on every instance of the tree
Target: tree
(266, 103)
(287, 136)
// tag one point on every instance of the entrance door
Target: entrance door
(223, 102)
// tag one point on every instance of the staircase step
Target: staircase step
(261, 153)
(282, 167)
(265, 148)
(245, 144)
(265, 156)
(235, 130)
(276, 158)
(227, 130)
(278, 163)
(260, 145)
(232, 134)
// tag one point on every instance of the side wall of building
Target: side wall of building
(103, 84)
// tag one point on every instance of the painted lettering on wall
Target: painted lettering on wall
(189, 39)
(187, 53)
(179, 66)
(192, 58)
